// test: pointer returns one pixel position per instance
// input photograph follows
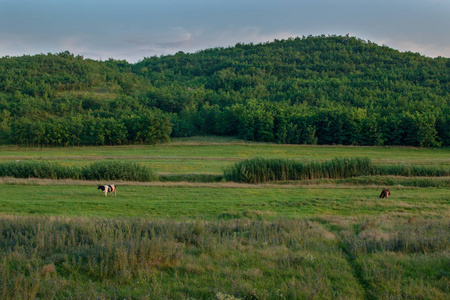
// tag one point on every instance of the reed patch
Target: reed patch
(259, 170)
(103, 170)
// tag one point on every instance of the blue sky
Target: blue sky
(135, 29)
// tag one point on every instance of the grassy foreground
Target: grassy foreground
(327, 257)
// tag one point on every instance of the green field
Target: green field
(318, 239)
(210, 156)
(206, 202)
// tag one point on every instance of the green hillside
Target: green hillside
(310, 90)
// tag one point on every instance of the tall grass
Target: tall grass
(401, 260)
(263, 170)
(103, 170)
(387, 257)
(38, 169)
(142, 259)
(255, 170)
(118, 170)
(259, 170)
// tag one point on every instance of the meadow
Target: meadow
(200, 155)
(210, 202)
(304, 239)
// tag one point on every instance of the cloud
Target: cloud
(428, 49)
(136, 29)
(76, 44)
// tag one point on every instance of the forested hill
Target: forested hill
(324, 90)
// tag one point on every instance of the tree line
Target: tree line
(305, 90)
(90, 130)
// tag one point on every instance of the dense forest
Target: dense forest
(308, 90)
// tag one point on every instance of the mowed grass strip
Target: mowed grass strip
(242, 150)
(211, 202)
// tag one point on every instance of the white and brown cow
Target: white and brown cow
(112, 188)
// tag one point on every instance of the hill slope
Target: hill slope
(325, 90)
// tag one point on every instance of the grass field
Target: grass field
(316, 239)
(210, 156)
(221, 201)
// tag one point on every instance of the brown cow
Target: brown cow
(385, 193)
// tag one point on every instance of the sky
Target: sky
(135, 29)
